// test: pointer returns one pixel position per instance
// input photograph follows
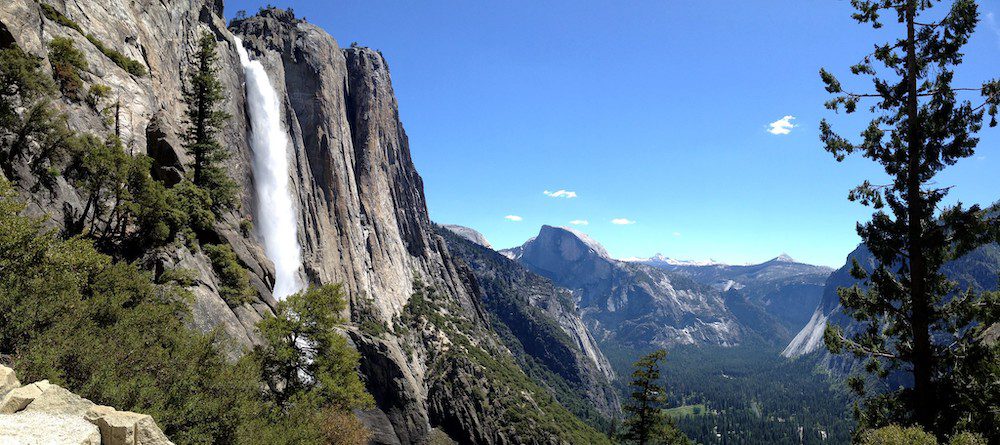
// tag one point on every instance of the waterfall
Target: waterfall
(275, 218)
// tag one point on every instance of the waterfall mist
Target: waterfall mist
(275, 218)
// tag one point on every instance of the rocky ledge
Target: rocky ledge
(44, 413)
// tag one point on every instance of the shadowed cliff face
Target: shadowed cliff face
(628, 303)
(978, 270)
(539, 322)
(361, 201)
(361, 210)
(159, 35)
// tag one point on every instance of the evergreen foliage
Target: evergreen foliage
(67, 62)
(912, 319)
(645, 421)
(897, 435)
(305, 357)
(132, 66)
(203, 94)
(52, 14)
(526, 412)
(107, 331)
(23, 85)
(234, 285)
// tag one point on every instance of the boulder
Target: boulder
(35, 427)
(8, 380)
(125, 428)
(17, 399)
(58, 400)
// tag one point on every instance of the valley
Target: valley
(213, 221)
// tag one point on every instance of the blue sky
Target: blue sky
(653, 112)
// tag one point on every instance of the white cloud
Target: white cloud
(579, 222)
(991, 19)
(782, 126)
(560, 194)
(677, 234)
(622, 221)
(514, 218)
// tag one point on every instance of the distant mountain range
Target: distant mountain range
(979, 269)
(539, 322)
(782, 287)
(659, 302)
(625, 303)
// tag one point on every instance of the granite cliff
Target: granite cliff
(430, 356)
(629, 304)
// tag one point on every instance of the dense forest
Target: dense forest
(750, 394)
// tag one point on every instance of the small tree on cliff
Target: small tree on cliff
(645, 422)
(203, 93)
(911, 317)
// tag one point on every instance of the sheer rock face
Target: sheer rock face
(363, 218)
(541, 320)
(629, 304)
(361, 210)
(161, 36)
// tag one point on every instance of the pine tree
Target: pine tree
(203, 93)
(645, 422)
(912, 318)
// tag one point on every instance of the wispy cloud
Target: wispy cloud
(514, 218)
(782, 126)
(677, 234)
(560, 194)
(991, 20)
(579, 222)
(622, 221)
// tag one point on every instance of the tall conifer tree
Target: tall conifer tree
(203, 93)
(645, 422)
(912, 318)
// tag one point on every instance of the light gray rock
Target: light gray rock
(39, 428)
(125, 428)
(469, 234)
(58, 400)
(8, 380)
(17, 399)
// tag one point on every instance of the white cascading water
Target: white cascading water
(275, 219)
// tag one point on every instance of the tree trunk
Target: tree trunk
(922, 359)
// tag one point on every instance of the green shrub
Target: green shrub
(95, 98)
(234, 284)
(24, 85)
(50, 13)
(897, 435)
(106, 331)
(246, 227)
(967, 438)
(194, 206)
(132, 66)
(67, 62)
